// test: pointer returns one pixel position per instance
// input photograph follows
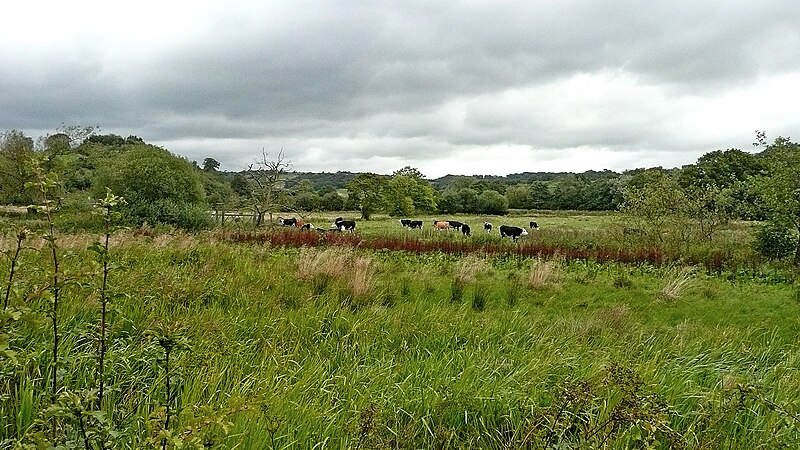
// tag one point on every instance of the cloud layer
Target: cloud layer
(457, 87)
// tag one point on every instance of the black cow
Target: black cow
(455, 224)
(415, 224)
(405, 222)
(534, 225)
(343, 225)
(487, 226)
(291, 222)
(465, 229)
(514, 232)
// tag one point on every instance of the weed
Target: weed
(622, 281)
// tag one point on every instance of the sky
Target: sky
(448, 87)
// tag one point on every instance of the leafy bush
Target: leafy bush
(775, 240)
(181, 214)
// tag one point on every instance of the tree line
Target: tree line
(161, 187)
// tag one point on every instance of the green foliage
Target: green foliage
(492, 202)
(159, 187)
(408, 193)
(368, 191)
(16, 152)
(781, 187)
(146, 173)
(165, 211)
(775, 240)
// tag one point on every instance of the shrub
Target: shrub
(181, 214)
(775, 240)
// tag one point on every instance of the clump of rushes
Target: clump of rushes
(106, 207)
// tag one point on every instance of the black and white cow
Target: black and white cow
(290, 222)
(514, 232)
(487, 226)
(533, 225)
(343, 225)
(415, 224)
(455, 224)
(307, 227)
(465, 229)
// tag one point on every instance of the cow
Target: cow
(343, 225)
(307, 227)
(441, 224)
(465, 229)
(405, 222)
(287, 222)
(514, 232)
(415, 224)
(534, 225)
(299, 223)
(455, 224)
(487, 226)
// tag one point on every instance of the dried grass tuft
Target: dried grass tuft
(676, 281)
(470, 268)
(543, 273)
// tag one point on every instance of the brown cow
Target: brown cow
(441, 224)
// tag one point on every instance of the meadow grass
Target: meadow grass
(336, 347)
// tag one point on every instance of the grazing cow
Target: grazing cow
(455, 224)
(465, 229)
(291, 222)
(299, 223)
(343, 225)
(415, 224)
(534, 225)
(441, 224)
(487, 226)
(514, 232)
(405, 222)
(307, 227)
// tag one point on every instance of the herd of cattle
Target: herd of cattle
(505, 230)
(339, 224)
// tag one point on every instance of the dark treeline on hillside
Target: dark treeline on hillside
(160, 187)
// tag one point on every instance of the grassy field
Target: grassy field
(339, 347)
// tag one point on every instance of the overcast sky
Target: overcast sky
(468, 87)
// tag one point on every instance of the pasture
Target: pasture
(338, 346)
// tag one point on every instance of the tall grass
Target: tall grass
(592, 364)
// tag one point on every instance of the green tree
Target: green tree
(368, 192)
(540, 195)
(158, 186)
(16, 153)
(781, 187)
(469, 200)
(408, 193)
(655, 203)
(332, 201)
(519, 196)
(450, 201)
(492, 202)
(210, 165)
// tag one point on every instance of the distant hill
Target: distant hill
(338, 180)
